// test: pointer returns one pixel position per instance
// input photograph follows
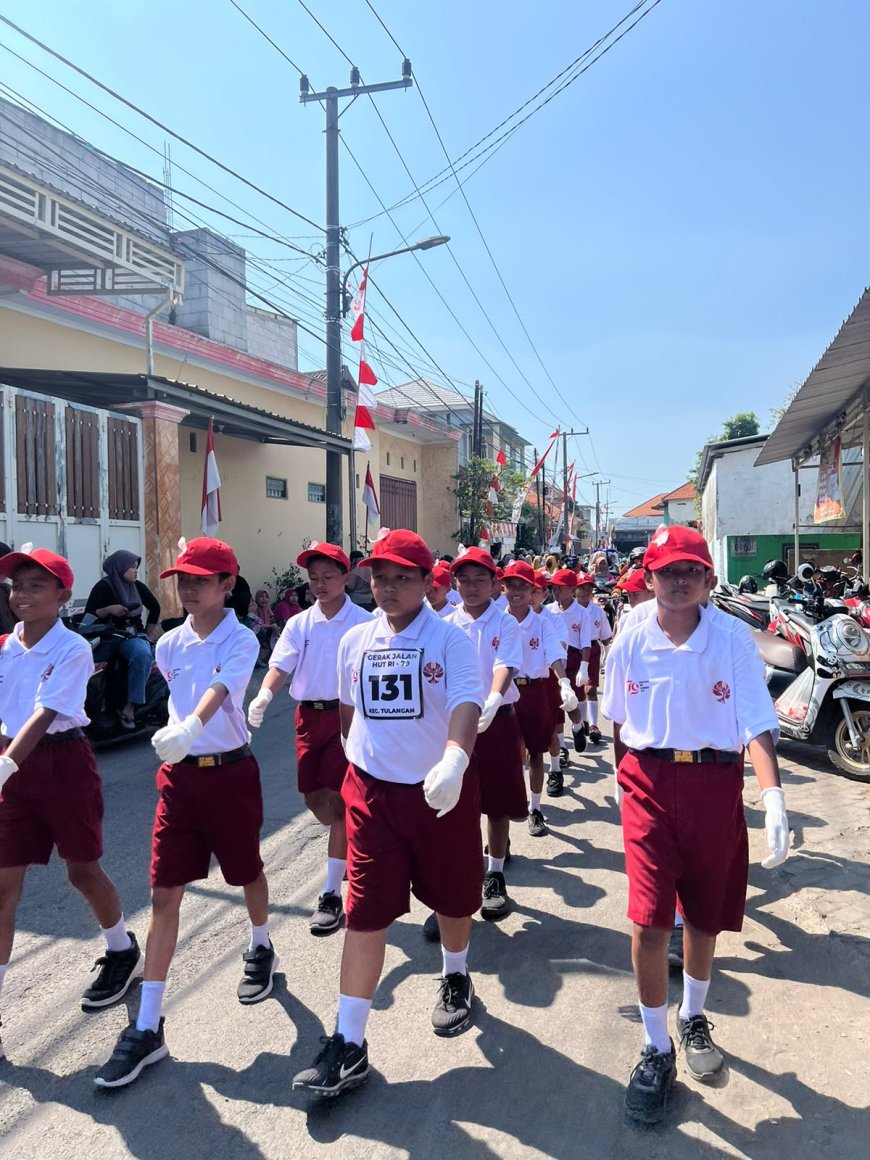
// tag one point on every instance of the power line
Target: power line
(159, 124)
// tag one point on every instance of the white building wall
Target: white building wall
(755, 501)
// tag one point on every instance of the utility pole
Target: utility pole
(599, 483)
(330, 98)
(540, 500)
(565, 435)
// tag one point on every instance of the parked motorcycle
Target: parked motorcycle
(822, 695)
(750, 607)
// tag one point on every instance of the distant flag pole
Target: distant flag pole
(211, 487)
(370, 500)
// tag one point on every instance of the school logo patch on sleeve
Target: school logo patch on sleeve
(433, 672)
(47, 673)
(721, 692)
(496, 641)
(534, 642)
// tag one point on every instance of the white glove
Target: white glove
(776, 825)
(7, 768)
(443, 783)
(173, 742)
(491, 706)
(569, 697)
(257, 708)
(582, 674)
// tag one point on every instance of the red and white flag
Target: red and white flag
(366, 402)
(370, 499)
(211, 487)
(540, 462)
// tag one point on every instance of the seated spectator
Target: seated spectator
(286, 607)
(265, 625)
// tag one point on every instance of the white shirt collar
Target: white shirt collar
(47, 643)
(219, 633)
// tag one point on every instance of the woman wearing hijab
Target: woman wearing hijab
(266, 627)
(119, 600)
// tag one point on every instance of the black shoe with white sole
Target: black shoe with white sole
(134, 1051)
(337, 1067)
(594, 734)
(704, 1060)
(579, 735)
(327, 914)
(537, 825)
(256, 982)
(495, 896)
(114, 978)
(452, 1012)
(563, 757)
(555, 783)
(650, 1087)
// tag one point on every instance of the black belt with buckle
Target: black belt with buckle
(693, 756)
(319, 705)
(209, 760)
(521, 681)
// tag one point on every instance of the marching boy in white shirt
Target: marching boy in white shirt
(574, 632)
(210, 800)
(50, 790)
(600, 632)
(308, 648)
(686, 693)
(411, 695)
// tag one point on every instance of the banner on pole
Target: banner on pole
(829, 491)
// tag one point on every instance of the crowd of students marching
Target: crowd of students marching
(412, 724)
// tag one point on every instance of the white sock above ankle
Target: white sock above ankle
(655, 1027)
(592, 709)
(453, 962)
(496, 865)
(694, 996)
(353, 1014)
(259, 936)
(535, 801)
(116, 936)
(150, 1004)
(554, 763)
(335, 868)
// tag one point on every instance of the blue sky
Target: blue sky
(683, 229)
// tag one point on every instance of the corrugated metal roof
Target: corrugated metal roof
(831, 392)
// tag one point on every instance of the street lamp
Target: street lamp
(423, 244)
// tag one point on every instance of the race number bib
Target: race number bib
(391, 683)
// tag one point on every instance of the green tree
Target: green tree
(739, 426)
(473, 483)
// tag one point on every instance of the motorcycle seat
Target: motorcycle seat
(779, 653)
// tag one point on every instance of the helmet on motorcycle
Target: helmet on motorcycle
(747, 584)
(636, 554)
(805, 572)
(775, 570)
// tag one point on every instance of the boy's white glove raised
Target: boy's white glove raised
(173, 742)
(491, 706)
(569, 697)
(257, 708)
(776, 825)
(582, 674)
(7, 768)
(443, 783)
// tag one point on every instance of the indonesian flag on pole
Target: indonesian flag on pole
(370, 499)
(540, 462)
(211, 487)
(366, 378)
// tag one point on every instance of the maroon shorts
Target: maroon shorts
(55, 799)
(535, 715)
(320, 759)
(572, 664)
(685, 839)
(200, 812)
(498, 760)
(397, 844)
(594, 666)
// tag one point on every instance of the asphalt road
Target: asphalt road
(543, 1070)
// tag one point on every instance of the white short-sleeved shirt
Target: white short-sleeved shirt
(308, 647)
(572, 624)
(53, 674)
(501, 602)
(706, 693)
(542, 644)
(192, 666)
(403, 687)
(497, 642)
(641, 612)
(453, 597)
(596, 618)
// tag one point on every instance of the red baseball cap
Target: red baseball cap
(542, 581)
(401, 547)
(633, 581)
(584, 578)
(331, 551)
(204, 556)
(474, 556)
(674, 543)
(499, 573)
(50, 561)
(564, 578)
(520, 570)
(441, 576)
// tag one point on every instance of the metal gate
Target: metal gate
(398, 503)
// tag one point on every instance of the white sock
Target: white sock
(335, 868)
(655, 1027)
(584, 710)
(116, 936)
(694, 996)
(678, 918)
(554, 763)
(353, 1014)
(454, 961)
(3, 969)
(592, 708)
(496, 865)
(259, 936)
(535, 800)
(150, 1003)
(561, 739)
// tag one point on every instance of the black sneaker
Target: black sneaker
(675, 949)
(452, 1012)
(337, 1067)
(115, 976)
(563, 757)
(495, 895)
(703, 1058)
(134, 1051)
(650, 1086)
(579, 734)
(594, 734)
(256, 983)
(431, 929)
(537, 825)
(555, 783)
(327, 914)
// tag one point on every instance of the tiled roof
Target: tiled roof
(650, 508)
(686, 491)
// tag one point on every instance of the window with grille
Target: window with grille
(317, 493)
(276, 488)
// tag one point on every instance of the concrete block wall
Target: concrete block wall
(272, 337)
(214, 302)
